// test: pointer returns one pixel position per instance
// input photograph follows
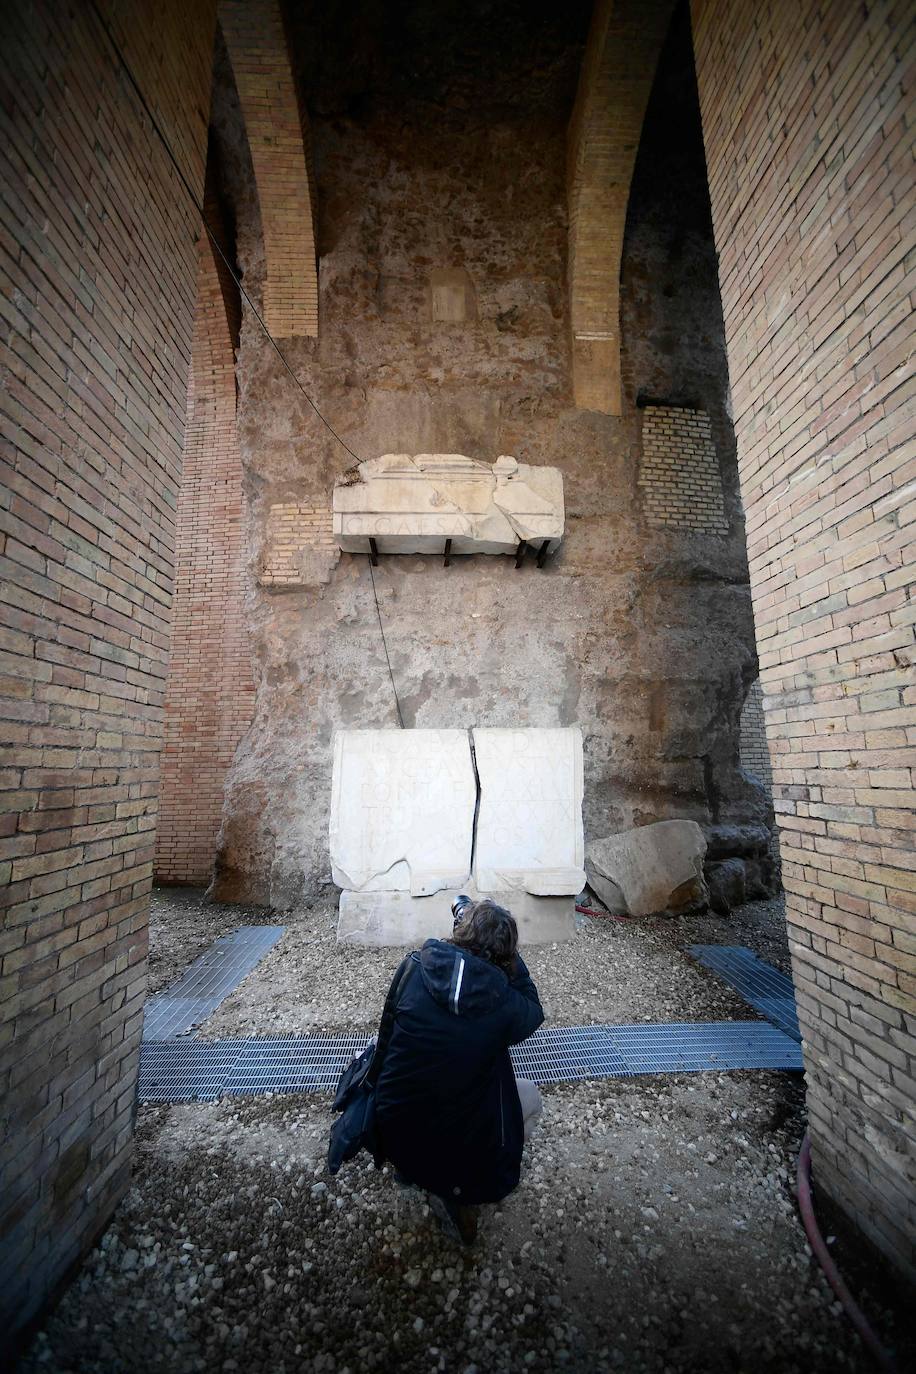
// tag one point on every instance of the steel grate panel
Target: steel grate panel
(190, 1070)
(184, 1070)
(762, 986)
(207, 982)
(567, 1054)
(305, 1064)
(694, 1048)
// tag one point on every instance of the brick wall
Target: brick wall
(679, 478)
(98, 267)
(299, 534)
(209, 697)
(811, 180)
(617, 72)
(277, 127)
(754, 750)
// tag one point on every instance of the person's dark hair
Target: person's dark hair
(489, 931)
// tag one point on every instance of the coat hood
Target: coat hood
(463, 982)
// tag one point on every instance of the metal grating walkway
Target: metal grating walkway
(762, 986)
(208, 980)
(193, 1070)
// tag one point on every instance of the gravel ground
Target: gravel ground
(620, 971)
(654, 1229)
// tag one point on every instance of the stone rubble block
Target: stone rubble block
(402, 810)
(413, 503)
(657, 867)
(529, 828)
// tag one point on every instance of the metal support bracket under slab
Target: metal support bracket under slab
(447, 555)
(373, 552)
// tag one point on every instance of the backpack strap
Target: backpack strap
(386, 1025)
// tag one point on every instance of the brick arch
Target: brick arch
(209, 699)
(277, 126)
(624, 43)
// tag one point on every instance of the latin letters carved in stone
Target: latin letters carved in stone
(402, 829)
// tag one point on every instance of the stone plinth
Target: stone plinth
(396, 918)
(402, 810)
(412, 504)
(529, 828)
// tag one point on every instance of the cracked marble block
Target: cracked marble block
(530, 835)
(402, 810)
(413, 503)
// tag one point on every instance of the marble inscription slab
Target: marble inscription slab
(529, 827)
(402, 810)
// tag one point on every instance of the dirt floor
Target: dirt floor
(655, 1227)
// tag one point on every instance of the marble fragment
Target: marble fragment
(413, 503)
(402, 810)
(529, 827)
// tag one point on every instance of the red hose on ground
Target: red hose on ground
(883, 1356)
(589, 911)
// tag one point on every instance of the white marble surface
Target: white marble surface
(529, 828)
(396, 918)
(402, 810)
(412, 503)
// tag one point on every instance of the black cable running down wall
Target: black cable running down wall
(198, 205)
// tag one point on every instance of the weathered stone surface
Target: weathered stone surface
(402, 810)
(413, 504)
(728, 841)
(396, 918)
(727, 883)
(529, 827)
(642, 637)
(655, 868)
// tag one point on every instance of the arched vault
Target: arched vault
(617, 73)
(278, 137)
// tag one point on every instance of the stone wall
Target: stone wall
(427, 190)
(810, 153)
(98, 273)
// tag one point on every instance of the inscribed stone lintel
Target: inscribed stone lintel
(412, 504)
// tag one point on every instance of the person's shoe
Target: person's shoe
(465, 1218)
(458, 1221)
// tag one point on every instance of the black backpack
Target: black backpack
(355, 1097)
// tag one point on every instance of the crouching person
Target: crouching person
(450, 1114)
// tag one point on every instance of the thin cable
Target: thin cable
(200, 209)
(378, 611)
(244, 294)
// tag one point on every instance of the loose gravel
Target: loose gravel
(654, 1229)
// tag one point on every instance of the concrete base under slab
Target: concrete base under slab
(397, 918)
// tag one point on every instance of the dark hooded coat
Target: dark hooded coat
(447, 1108)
